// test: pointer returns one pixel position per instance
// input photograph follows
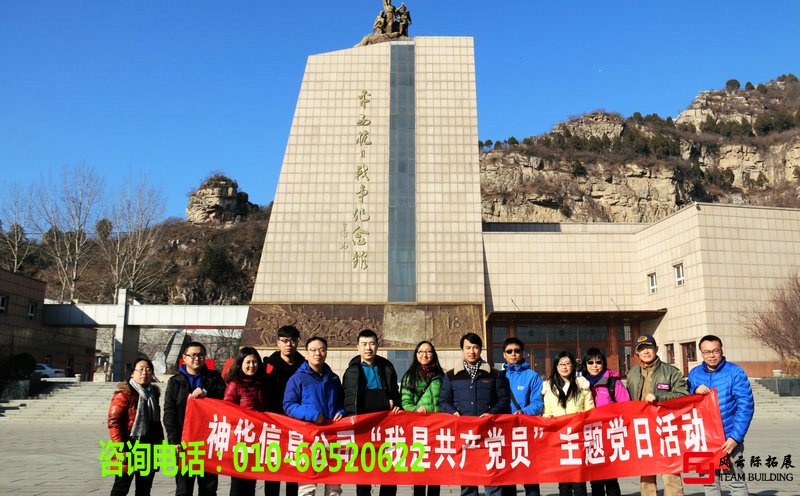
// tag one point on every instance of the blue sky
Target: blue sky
(178, 89)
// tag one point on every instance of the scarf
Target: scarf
(594, 379)
(472, 370)
(147, 410)
(425, 375)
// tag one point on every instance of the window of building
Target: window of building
(652, 282)
(679, 277)
(670, 353)
(3, 303)
(689, 351)
(32, 310)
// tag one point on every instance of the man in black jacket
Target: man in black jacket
(193, 380)
(280, 366)
(370, 385)
(474, 389)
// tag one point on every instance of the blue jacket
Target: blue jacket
(525, 386)
(735, 396)
(486, 394)
(308, 394)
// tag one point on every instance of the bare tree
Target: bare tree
(65, 213)
(776, 323)
(221, 344)
(130, 235)
(15, 212)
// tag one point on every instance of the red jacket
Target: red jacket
(122, 413)
(248, 394)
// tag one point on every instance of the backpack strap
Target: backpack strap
(612, 388)
(511, 392)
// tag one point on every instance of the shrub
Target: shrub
(710, 125)
(749, 86)
(763, 125)
(578, 170)
(732, 85)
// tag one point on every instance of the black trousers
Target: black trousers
(206, 484)
(273, 488)
(366, 490)
(572, 489)
(606, 487)
(426, 490)
(122, 484)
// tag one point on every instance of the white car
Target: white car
(46, 371)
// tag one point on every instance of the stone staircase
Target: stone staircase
(771, 406)
(65, 403)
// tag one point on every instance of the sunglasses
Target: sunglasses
(594, 362)
(513, 351)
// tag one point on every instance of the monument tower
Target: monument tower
(376, 221)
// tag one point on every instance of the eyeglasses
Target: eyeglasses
(568, 364)
(594, 362)
(317, 351)
(425, 353)
(712, 352)
(513, 351)
(287, 340)
(195, 356)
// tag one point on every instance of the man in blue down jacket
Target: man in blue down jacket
(524, 392)
(474, 389)
(735, 404)
(314, 394)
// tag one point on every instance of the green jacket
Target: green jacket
(413, 397)
(666, 382)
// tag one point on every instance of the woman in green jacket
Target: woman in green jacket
(419, 390)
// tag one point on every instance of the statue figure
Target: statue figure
(380, 23)
(405, 19)
(391, 18)
(389, 9)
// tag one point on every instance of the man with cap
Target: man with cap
(653, 381)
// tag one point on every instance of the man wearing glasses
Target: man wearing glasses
(653, 381)
(524, 391)
(735, 404)
(280, 366)
(193, 380)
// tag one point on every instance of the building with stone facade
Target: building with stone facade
(377, 224)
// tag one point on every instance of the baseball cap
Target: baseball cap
(645, 340)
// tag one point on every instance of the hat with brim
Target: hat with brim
(645, 340)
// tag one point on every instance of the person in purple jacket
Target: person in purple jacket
(607, 388)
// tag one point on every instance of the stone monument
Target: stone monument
(376, 221)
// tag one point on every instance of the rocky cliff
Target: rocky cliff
(733, 146)
(218, 199)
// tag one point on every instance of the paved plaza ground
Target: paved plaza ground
(62, 459)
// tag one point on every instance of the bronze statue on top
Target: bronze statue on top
(392, 21)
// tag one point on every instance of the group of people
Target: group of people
(307, 389)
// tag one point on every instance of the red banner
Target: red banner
(620, 440)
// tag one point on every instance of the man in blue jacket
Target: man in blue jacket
(735, 404)
(314, 394)
(524, 391)
(474, 389)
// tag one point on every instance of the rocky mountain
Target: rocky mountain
(218, 199)
(730, 146)
(734, 145)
